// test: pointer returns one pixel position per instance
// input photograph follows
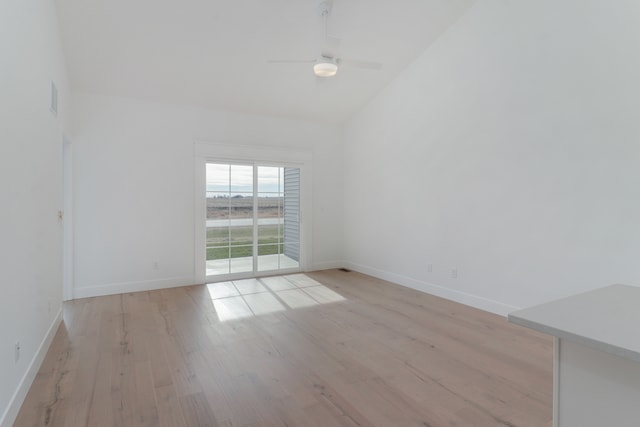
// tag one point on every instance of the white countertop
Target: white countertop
(607, 319)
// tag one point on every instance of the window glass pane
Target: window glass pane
(241, 265)
(281, 186)
(241, 251)
(267, 249)
(217, 205)
(217, 253)
(269, 205)
(268, 234)
(241, 235)
(286, 262)
(241, 179)
(217, 177)
(241, 206)
(219, 266)
(217, 236)
(241, 259)
(268, 179)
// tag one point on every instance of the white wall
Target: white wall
(31, 191)
(510, 150)
(134, 187)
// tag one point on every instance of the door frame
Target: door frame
(67, 218)
(211, 152)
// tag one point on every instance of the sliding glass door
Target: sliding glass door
(230, 213)
(253, 219)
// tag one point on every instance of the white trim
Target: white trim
(440, 291)
(250, 153)
(254, 154)
(249, 275)
(556, 381)
(199, 215)
(10, 414)
(126, 287)
(255, 238)
(67, 219)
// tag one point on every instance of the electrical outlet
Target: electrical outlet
(17, 352)
(156, 265)
(454, 273)
(430, 268)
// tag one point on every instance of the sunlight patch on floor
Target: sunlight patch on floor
(239, 299)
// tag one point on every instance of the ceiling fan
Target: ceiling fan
(327, 63)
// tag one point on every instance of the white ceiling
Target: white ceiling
(214, 53)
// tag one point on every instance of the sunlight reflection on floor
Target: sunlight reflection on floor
(253, 297)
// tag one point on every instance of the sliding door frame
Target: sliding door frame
(208, 152)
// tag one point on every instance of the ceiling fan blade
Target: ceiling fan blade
(291, 61)
(367, 65)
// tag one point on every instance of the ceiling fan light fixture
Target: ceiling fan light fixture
(325, 68)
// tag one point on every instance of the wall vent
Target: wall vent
(54, 99)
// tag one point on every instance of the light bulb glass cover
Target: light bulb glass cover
(325, 69)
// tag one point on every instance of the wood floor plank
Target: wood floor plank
(197, 411)
(168, 406)
(328, 348)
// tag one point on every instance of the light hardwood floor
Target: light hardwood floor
(330, 348)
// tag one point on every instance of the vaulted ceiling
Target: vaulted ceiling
(215, 54)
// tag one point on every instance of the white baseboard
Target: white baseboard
(440, 291)
(10, 414)
(429, 288)
(326, 265)
(126, 287)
